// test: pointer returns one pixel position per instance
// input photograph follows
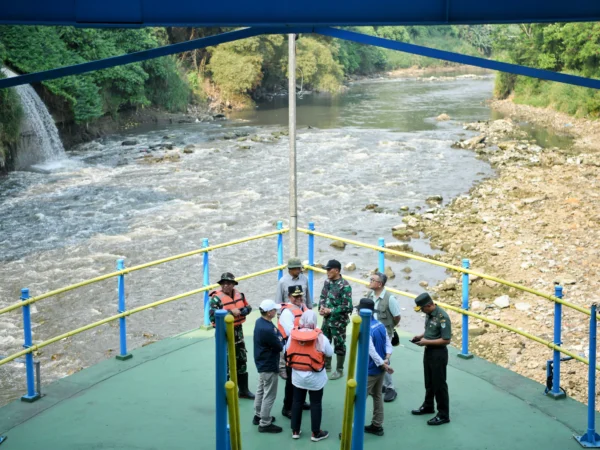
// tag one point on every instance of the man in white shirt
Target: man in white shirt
(387, 311)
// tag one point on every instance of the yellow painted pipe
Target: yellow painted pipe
(36, 347)
(231, 349)
(450, 266)
(230, 388)
(135, 268)
(356, 320)
(233, 368)
(348, 415)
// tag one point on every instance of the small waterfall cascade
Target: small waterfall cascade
(39, 142)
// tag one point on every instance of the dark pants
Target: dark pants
(289, 390)
(316, 409)
(435, 361)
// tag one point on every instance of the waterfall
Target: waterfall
(39, 142)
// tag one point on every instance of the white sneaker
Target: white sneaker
(296, 434)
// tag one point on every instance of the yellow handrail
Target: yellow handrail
(350, 386)
(43, 344)
(234, 435)
(234, 403)
(133, 269)
(472, 314)
(452, 267)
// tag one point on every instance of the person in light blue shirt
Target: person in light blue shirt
(387, 311)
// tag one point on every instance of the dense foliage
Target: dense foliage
(32, 49)
(571, 48)
(10, 117)
(233, 73)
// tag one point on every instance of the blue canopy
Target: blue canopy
(144, 13)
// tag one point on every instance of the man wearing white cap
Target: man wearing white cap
(268, 344)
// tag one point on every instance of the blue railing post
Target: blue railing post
(311, 261)
(206, 282)
(362, 364)
(279, 249)
(31, 396)
(556, 392)
(381, 256)
(591, 438)
(123, 355)
(221, 379)
(464, 354)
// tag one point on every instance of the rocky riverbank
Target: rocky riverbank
(536, 223)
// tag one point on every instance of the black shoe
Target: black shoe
(437, 420)
(256, 420)
(270, 429)
(306, 406)
(390, 395)
(422, 410)
(322, 434)
(247, 394)
(377, 431)
(286, 413)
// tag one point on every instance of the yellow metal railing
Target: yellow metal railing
(469, 313)
(43, 344)
(452, 267)
(71, 287)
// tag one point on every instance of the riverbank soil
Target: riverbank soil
(536, 223)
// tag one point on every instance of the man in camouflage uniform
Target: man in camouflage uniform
(230, 299)
(335, 305)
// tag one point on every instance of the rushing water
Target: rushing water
(377, 143)
(39, 143)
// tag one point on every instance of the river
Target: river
(377, 143)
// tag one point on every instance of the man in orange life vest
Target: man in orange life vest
(289, 319)
(234, 301)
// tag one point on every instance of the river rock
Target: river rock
(189, 149)
(404, 208)
(130, 142)
(502, 302)
(389, 272)
(423, 283)
(449, 284)
(399, 247)
(350, 267)
(476, 305)
(402, 226)
(522, 306)
(371, 206)
(443, 117)
(434, 199)
(476, 331)
(407, 270)
(338, 244)
(402, 234)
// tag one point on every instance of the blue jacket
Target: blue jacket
(378, 335)
(268, 345)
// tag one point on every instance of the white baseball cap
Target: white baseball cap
(269, 305)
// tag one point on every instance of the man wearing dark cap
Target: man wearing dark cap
(437, 335)
(294, 277)
(234, 301)
(335, 305)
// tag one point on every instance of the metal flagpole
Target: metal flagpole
(292, 126)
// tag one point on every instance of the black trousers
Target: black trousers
(289, 390)
(435, 361)
(316, 408)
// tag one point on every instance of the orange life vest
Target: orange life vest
(238, 301)
(296, 311)
(302, 354)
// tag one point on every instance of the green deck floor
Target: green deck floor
(163, 399)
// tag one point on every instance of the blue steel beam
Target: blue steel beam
(129, 58)
(265, 13)
(458, 58)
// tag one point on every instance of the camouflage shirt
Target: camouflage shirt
(337, 295)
